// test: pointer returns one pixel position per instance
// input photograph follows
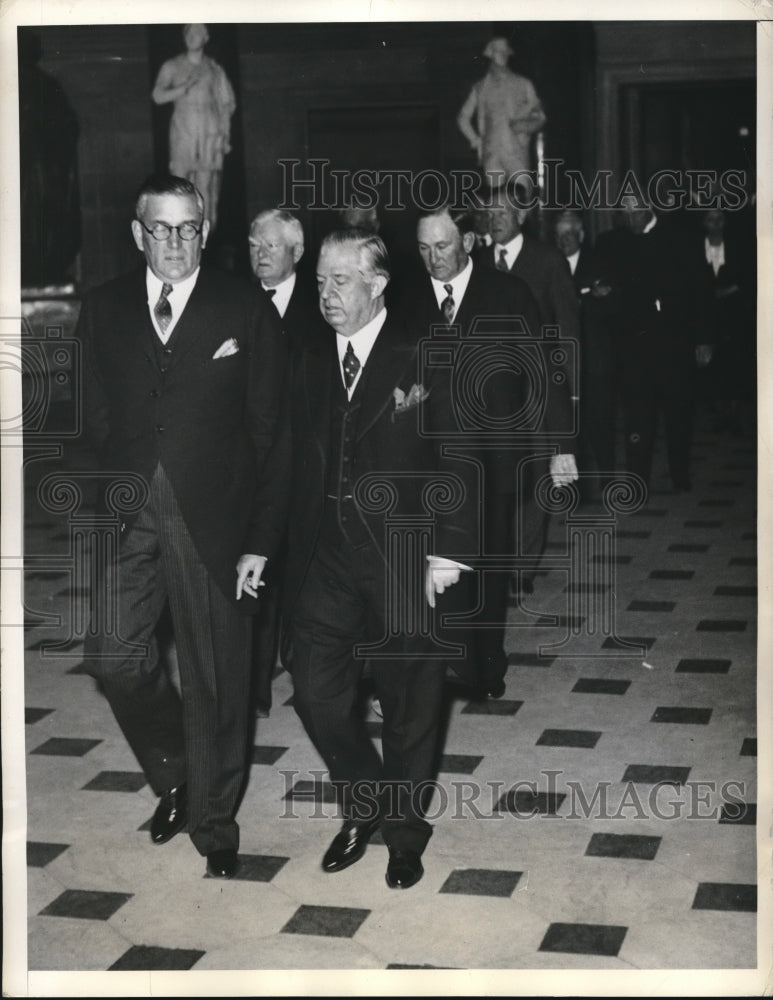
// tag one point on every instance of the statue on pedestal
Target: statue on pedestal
(200, 129)
(500, 115)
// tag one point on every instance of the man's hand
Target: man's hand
(249, 570)
(703, 354)
(441, 573)
(563, 469)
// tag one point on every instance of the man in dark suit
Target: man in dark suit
(662, 301)
(367, 429)
(459, 291)
(545, 271)
(277, 245)
(597, 390)
(183, 387)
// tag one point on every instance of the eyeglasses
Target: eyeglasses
(160, 231)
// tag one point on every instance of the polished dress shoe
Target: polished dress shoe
(222, 864)
(170, 816)
(404, 869)
(494, 689)
(349, 844)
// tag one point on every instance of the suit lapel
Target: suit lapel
(196, 320)
(319, 368)
(391, 354)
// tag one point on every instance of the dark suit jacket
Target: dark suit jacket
(661, 293)
(546, 272)
(406, 447)
(491, 302)
(302, 320)
(215, 425)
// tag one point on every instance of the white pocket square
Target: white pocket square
(226, 349)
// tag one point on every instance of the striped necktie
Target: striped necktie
(163, 309)
(502, 262)
(448, 305)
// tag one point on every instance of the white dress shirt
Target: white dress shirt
(177, 299)
(282, 293)
(458, 287)
(512, 249)
(572, 259)
(715, 255)
(362, 344)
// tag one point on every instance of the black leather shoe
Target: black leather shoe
(404, 869)
(349, 844)
(495, 689)
(222, 864)
(170, 816)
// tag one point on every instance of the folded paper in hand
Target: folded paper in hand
(226, 349)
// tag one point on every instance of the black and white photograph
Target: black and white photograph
(385, 490)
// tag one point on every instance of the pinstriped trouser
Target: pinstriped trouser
(200, 738)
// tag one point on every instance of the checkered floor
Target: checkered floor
(601, 816)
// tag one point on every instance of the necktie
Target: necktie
(448, 304)
(502, 262)
(271, 292)
(351, 366)
(162, 309)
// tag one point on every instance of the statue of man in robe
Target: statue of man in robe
(200, 129)
(500, 115)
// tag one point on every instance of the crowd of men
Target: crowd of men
(284, 426)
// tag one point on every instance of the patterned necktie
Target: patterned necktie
(162, 309)
(351, 366)
(448, 305)
(502, 262)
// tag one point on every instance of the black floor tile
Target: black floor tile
(617, 560)
(116, 781)
(622, 642)
(560, 621)
(725, 590)
(715, 503)
(529, 659)
(651, 606)
(528, 803)
(632, 533)
(33, 715)
(267, 755)
(481, 882)
(86, 904)
(703, 666)
(656, 774)
(64, 746)
(600, 685)
(397, 965)
(651, 512)
(684, 547)
(311, 791)
(707, 666)
(739, 813)
(492, 707)
(568, 738)
(623, 845)
(259, 867)
(721, 625)
(697, 523)
(584, 939)
(329, 921)
(682, 715)
(142, 957)
(725, 896)
(457, 763)
(586, 588)
(39, 854)
(749, 747)
(672, 574)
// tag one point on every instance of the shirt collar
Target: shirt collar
(180, 293)
(363, 340)
(651, 224)
(282, 292)
(458, 285)
(572, 260)
(512, 249)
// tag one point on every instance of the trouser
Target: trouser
(343, 603)
(198, 736)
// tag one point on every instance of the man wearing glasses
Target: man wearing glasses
(183, 379)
